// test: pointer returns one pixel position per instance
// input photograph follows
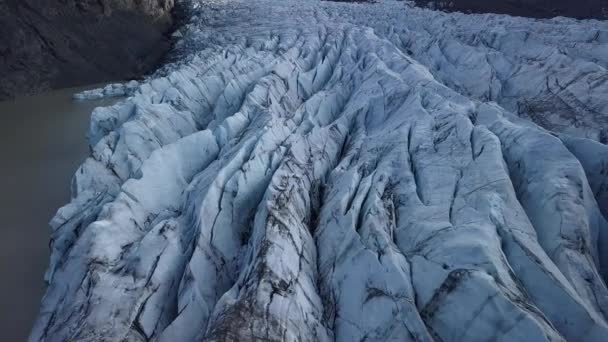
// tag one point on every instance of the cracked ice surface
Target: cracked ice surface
(314, 171)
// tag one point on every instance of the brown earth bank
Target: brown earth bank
(48, 44)
(581, 9)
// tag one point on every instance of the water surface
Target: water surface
(42, 142)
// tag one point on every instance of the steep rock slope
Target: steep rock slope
(54, 44)
(583, 9)
(320, 171)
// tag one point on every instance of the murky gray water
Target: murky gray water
(42, 142)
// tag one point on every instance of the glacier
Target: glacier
(315, 171)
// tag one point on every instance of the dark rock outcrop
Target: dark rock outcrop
(61, 43)
(581, 9)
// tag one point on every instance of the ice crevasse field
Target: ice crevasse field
(315, 171)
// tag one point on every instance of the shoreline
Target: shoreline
(43, 145)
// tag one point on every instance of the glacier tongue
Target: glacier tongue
(314, 171)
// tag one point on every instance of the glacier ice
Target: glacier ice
(314, 171)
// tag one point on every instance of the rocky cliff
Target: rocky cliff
(60, 43)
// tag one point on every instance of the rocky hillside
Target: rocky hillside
(60, 43)
(526, 8)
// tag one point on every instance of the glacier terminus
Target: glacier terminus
(326, 171)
